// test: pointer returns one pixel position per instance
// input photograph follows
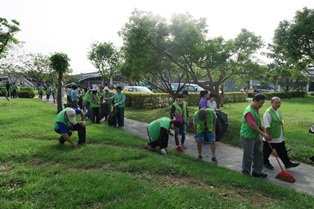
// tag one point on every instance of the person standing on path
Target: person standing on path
(273, 123)
(179, 112)
(158, 133)
(204, 123)
(74, 96)
(40, 91)
(65, 123)
(48, 92)
(250, 132)
(7, 87)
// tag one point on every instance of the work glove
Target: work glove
(116, 104)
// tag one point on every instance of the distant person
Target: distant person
(106, 105)
(158, 133)
(48, 92)
(185, 93)
(179, 112)
(273, 123)
(65, 123)
(40, 91)
(250, 132)
(203, 103)
(7, 87)
(86, 102)
(94, 104)
(74, 96)
(211, 102)
(14, 90)
(204, 123)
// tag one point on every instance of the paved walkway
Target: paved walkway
(231, 157)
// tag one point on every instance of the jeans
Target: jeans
(181, 130)
(120, 116)
(88, 113)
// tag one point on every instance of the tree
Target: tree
(60, 63)
(37, 67)
(183, 43)
(296, 38)
(105, 58)
(7, 32)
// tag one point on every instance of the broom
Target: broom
(283, 175)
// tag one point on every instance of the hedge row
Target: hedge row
(24, 92)
(160, 100)
(283, 95)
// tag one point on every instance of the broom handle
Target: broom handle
(274, 154)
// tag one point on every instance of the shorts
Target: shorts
(209, 135)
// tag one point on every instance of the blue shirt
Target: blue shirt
(74, 96)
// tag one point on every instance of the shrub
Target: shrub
(282, 95)
(26, 92)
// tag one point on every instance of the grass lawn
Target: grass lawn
(298, 116)
(114, 171)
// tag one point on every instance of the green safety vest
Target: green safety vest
(246, 130)
(178, 110)
(87, 96)
(118, 98)
(40, 89)
(154, 127)
(48, 90)
(276, 123)
(54, 89)
(61, 118)
(107, 95)
(201, 126)
(96, 98)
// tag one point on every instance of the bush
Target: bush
(26, 92)
(3, 91)
(283, 95)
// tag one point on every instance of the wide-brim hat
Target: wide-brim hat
(95, 88)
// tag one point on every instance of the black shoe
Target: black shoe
(200, 157)
(269, 166)
(312, 158)
(259, 175)
(61, 141)
(292, 165)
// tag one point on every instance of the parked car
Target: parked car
(141, 89)
(259, 89)
(190, 87)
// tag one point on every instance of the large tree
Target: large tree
(60, 63)
(106, 59)
(183, 42)
(296, 38)
(37, 67)
(8, 30)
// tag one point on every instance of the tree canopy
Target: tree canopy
(8, 30)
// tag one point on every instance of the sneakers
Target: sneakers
(269, 166)
(292, 165)
(312, 158)
(259, 175)
(150, 148)
(179, 148)
(163, 151)
(200, 157)
(214, 160)
(184, 147)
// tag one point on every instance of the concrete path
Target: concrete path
(231, 157)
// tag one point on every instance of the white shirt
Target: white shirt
(267, 121)
(212, 105)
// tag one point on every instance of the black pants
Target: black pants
(81, 133)
(162, 140)
(280, 150)
(95, 115)
(105, 110)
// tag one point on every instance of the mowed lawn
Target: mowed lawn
(114, 171)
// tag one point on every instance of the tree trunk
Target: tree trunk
(59, 98)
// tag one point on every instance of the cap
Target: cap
(95, 88)
(71, 115)
(202, 114)
(106, 88)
